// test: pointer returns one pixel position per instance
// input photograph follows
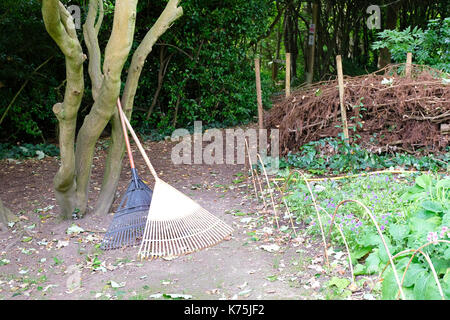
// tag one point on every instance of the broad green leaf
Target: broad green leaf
(424, 181)
(420, 285)
(359, 252)
(426, 288)
(370, 239)
(414, 271)
(432, 206)
(409, 293)
(447, 254)
(384, 257)
(398, 232)
(440, 264)
(372, 262)
(340, 283)
(359, 269)
(422, 226)
(446, 284)
(431, 289)
(389, 288)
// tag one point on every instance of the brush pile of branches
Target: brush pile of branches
(385, 111)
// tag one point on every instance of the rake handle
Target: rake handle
(125, 133)
(138, 143)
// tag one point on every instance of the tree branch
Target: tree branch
(116, 54)
(90, 31)
(171, 13)
(59, 24)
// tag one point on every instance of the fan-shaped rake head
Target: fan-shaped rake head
(177, 225)
(127, 226)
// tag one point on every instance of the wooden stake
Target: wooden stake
(408, 64)
(288, 74)
(341, 96)
(259, 95)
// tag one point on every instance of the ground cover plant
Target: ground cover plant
(335, 156)
(412, 212)
(27, 150)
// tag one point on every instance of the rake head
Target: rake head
(177, 225)
(127, 226)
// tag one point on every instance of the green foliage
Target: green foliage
(210, 72)
(429, 47)
(212, 78)
(344, 157)
(429, 203)
(24, 45)
(27, 150)
(409, 215)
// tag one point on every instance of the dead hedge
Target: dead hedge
(385, 111)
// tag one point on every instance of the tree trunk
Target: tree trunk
(113, 165)
(390, 23)
(72, 179)
(116, 54)
(60, 26)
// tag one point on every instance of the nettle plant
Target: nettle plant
(425, 265)
(413, 218)
(336, 155)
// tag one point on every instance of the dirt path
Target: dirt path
(39, 260)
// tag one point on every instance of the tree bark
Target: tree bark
(71, 182)
(390, 23)
(61, 28)
(116, 54)
(117, 147)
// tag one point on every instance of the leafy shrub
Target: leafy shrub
(429, 47)
(213, 81)
(27, 150)
(25, 45)
(409, 215)
(335, 156)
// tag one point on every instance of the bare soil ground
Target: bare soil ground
(39, 260)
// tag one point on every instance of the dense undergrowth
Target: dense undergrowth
(412, 212)
(335, 156)
(27, 150)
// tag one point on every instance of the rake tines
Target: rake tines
(175, 223)
(127, 226)
(178, 227)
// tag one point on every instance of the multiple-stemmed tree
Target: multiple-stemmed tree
(105, 70)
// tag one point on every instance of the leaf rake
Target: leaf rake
(128, 224)
(176, 224)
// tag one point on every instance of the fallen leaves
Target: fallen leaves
(74, 230)
(116, 285)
